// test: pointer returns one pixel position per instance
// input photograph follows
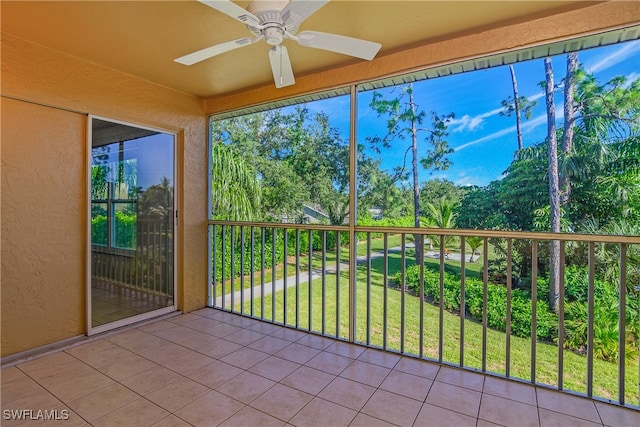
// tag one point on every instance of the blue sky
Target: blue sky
(484, 141)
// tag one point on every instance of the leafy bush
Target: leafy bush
(576, 282)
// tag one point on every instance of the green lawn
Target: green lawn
(300, 308)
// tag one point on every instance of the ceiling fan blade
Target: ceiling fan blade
(341, 44)
(209, 52)
(233, 10)
(281, 66)
(299, 10)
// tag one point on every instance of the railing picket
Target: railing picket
(297, 278)
(233, 267)
(590, 319)
(252, 262)
(215, 264)
(534, 307)
(224, 264)
(242, 269)
(369, 288)
(485, 277)
(262, 268)
(273, 273)
(403, 290)
(310, 281)
(441, 300)
(508, 320)
(337, 284)
(561, 318)
(622, 319)
(385, 273)
(324, 282)
(421, 340)
(285, 275)
(462, 313)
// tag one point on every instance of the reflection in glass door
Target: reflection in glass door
(132, 224)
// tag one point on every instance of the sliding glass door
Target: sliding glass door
(132, 224)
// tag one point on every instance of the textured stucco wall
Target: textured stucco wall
(44, 185)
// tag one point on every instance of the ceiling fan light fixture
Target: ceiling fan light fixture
(273, 35)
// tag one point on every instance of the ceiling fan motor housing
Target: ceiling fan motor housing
(269, 14)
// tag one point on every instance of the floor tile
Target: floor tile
(435, 416)
(150, 380)
(166, 351)
(209, 410)
(200, 324)
(188, 362)
(274, 368)
(612, 415)
(320, 412)
(171, 421)
(510, 390)
(101, 402)
(244, 337)
(346, 349)
(79, 386)
(222, 330)
(289, 334)
(461, 378)
(245, 387)
(127, 367)
(140, 412)
(329, 362)
(298, 353)
(136, 340)
(564, 403)
(364, 420)
(407, 385)
(508, 412)
(315, 341)
(417, 367)
(177, 394)
(218, 348)
(555, 419)
(24, 393)
(282, 402)
(269, 344)
(366, 373)
(379, 357)
(214, 374)
(250, 417)
(245, 357)
(455, 398)
(393, 408)
(308, 380)
(347, 393)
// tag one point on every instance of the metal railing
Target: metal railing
(148, 269)
(479, 304)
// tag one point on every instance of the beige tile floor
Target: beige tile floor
(211, 368)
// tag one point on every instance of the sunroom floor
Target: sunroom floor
(213, 368)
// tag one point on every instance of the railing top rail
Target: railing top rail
(495, 234)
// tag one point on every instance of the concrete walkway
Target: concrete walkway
(316, 274)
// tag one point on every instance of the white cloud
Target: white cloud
(626, 51)
(527, 126)
(631, 77)
(468, 122)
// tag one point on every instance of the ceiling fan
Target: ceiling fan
(276, 20)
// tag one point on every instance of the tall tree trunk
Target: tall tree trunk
(554, 189)
(417, 238)
(516, 104)
(569, 120)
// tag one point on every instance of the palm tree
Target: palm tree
(441, 214)
(235, 189)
